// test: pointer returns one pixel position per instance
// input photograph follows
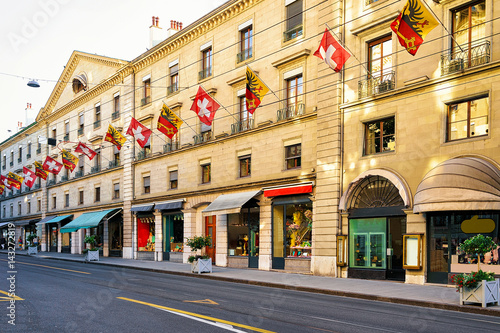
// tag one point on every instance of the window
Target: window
(380, 136)
(294, 27)
(294, 92)
(39, 148)
(4, 161)
(146, 184)
(174, 78)
(81, 121)
(245, 165)
(97, 161)
(66, 199)
(4, 212)
(146, 97)
(11, 210)
(468, 119)
(81, 164)
(246, 43)
(54, 202)
(66, 130)
(11, 158)
(116, 107)
(206, 63)
(292, 156)
(173, 179)
(19, 209)
(28, 153)
(28, 207)
(54, 133)
(292, 230)
(469, 30)
(381, 77)
(116, 191)
(205, 173)
(97, 196)
(245, 117)
(80, 197)
(38, 205)
(116, 156)
(97, 117)
(20, 158)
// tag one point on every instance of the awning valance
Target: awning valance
(87, 220)
(45, 220)
(230, 203)
(459, 184)
(169, 205)
(142, 208)
(300, 188)
(60, 218)
(25, 222)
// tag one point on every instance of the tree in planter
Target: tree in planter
(30, 239)
(198, 243)
(92, 241)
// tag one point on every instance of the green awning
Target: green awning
(86, 220)
(60, 218)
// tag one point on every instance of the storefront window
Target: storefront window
(367, 243)
(115, 232)
(243, 233)
(294, 238)
(173, 240)
(146, 233)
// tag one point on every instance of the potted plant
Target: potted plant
(199, 264)
(32, 247)
(92, 253)
(477, 287)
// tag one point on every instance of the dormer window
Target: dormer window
(80, 83)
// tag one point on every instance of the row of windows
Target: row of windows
(19, 208)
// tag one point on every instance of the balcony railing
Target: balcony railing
(19, 160)
(64, 179)
(293, 33)
(115, 115)
(51, 182)
(39, 150)
(28, 156)
(291, 111)
(470, 57)
(173, 88)
(203, 137)
(66, 137)
(376, 85)
(171, 146)
(244, 55)
(97, 124)
(95, 169)
(241, 126)
(80, 131)
(205, 73)
(36, 186)
(367, 2)
(146, 100)
(113, 164)
(142, 155)
(3, 167)
(11, 163)
(78, 174)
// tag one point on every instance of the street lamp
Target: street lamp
(33, 84)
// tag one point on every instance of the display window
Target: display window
(146, 233)
(292, 230)
(173, 239)
(367, 243)
(243, 233)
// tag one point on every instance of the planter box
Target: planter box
(32, 250)
(92, 256)
(486, 292)
(201, 266)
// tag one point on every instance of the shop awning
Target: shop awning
(290, 189)
(459, 184)
(230, 203)
(45, 220)
(86, 220)
(4, 224)
(169, 205)
(25, 222)
(142, 208)
(60, 218)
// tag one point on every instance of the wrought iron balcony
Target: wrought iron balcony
(3, 167)
(377, 85)
(36, 186)
(146, 100)
(470, 57)
(115, 115)
(66, 137)
(244, 55)
(51, 182)
(171, 146)
(39, 150)
(367, 2)
(173, 88)
(143, 154)
(293, 33)
(64, 179)
(97, 124)
(78, 174)
(241, 126)
(113, 164)
(205, 73)
(291, 111)
(203, 137)
(80, 131)
(20, 160)
(28, 156)
(95, 169)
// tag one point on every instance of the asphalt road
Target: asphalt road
(62, 296)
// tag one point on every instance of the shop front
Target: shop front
(145, 236)
(173, 229)
(52, 228)
(43, 233)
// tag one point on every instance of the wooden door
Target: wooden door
(210, 231)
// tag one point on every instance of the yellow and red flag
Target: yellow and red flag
(115, 137)
(2, 188)
(412, 25)
(168, 122)
(255, 92)
(40, 171)
(69, 160)
(14, 180)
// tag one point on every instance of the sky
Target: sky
(37, 38)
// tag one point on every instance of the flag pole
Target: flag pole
(437, 18)
(345, 47)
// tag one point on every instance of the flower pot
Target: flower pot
(202, 266)
(32, 250)
(486, 292)
(92, 255)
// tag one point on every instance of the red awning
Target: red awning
(288, 190)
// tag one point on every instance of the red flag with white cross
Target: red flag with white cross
(140, 132)
(204, 106)
(29, 177)
(52, 166)
(332, 53)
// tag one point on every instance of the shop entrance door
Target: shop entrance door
(52, 231)
(210, 231)
(396, 227)
(115, 241)
(253, 242)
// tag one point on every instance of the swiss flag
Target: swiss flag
(29, 177)
(83, 149)
(332, 53)
(140, 132)
(4, 181)
(204, 106)
(52, 166)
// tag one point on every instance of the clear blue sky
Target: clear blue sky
(38, 37)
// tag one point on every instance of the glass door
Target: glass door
(438, 254)
(173, 234)
(115, 234)
(396, 227)
(210, 231)
(253, 241)
(52, 237)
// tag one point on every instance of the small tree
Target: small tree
(197, 243)
(479, 245)
(92, 241)
(30, 238)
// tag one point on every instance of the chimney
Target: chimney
(174, 27)
(156, 34)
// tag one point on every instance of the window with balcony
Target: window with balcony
(205, 173)
(116, 107)
(97, 194)
(20, 158)
(38, 205)
(97, 162)
(206, 63)
(80, 197)
(380, 136)
(293, 156)
(468, 119)
(173, 179)
(116, 158)
(469, 32)
(54, 202)
(80, 167)
(245, 165)
(294, 98)
(81, 123)
(205, 134)
(28, 207)
(11, 210)
(173, 78)
(294, 24)
(172, 144)
(97, 115)
(146, 184)
(146, 91)
(245, 118)
(116, 191)
(19, 209)
(381, 76)
(66, 130)
(28, 153)
(246, 44)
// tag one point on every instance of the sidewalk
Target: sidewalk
(430, 296)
